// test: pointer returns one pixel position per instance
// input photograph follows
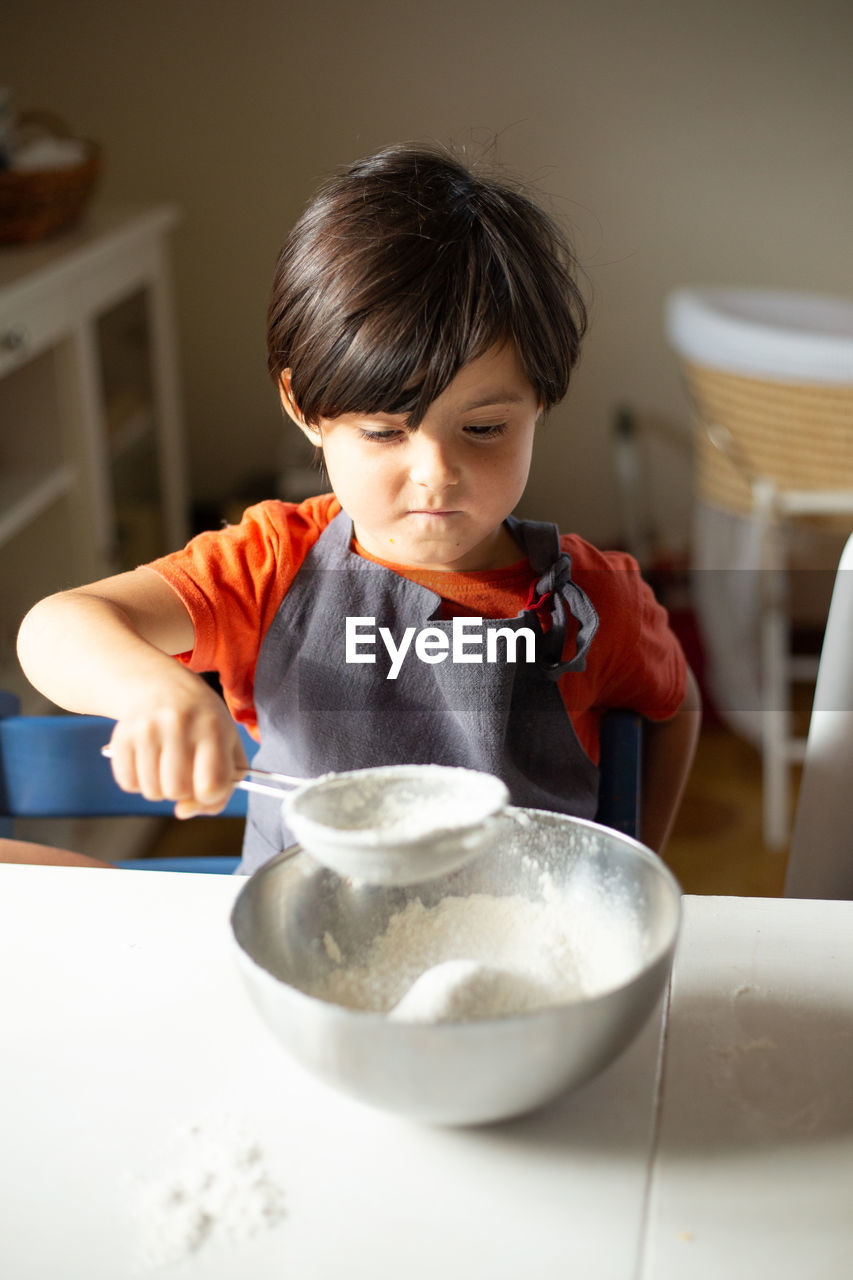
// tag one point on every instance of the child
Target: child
(422, 320)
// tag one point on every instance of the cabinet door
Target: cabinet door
(130, 451)
(91, 434)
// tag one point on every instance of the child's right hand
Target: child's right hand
(182, 746)
(105, 649)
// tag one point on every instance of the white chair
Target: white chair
(770, 377)
(820, 862)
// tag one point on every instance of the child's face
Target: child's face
(436, 496)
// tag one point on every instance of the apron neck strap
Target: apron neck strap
(555, 588)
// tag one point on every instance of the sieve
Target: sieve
(390, 824)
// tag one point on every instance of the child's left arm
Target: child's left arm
(668, 749)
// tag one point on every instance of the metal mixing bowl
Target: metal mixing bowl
(459, 1072)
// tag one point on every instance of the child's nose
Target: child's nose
(432, 464)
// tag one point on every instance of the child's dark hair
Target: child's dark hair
(405, 267)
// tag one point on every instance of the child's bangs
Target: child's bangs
(402, 373)
(399, 358)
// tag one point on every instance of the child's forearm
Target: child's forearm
(106, 650)
(668, 751)
(85, 654)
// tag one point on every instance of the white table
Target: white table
(125, 1024)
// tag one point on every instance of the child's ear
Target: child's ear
(292, 410)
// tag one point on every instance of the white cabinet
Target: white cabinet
(92, 474)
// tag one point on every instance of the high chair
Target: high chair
(820, 860)
(770, 378)
(52, 767)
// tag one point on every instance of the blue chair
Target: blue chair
(52, 767)
(621, 769)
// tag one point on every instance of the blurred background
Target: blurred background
(680, 141)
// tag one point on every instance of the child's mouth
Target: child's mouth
(435, 514)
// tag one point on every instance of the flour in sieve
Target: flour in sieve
(382, 803)
(564, 947)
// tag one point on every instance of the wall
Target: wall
(683, 140)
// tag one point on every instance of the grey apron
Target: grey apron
(317, 713)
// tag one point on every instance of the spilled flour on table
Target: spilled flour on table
(216, 1189)
(484, 955)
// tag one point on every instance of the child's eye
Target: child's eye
(380, 437)
(486, 432)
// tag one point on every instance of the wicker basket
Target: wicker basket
(799, 435)
(41, 203)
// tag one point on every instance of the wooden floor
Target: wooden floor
(716, 847)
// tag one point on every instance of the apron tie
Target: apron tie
(556, 585)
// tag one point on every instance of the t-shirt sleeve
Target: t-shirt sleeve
(232, 581)
(636, 661)
(651, 675)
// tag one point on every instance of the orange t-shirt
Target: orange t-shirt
(233, 580)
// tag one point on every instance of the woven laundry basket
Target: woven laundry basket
(775, 371)
(38, 203)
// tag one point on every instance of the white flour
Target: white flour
(217, 1190)
(457, 990)
(409, 803)
(535, 952)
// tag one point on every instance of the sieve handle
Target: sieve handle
(259, 780)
